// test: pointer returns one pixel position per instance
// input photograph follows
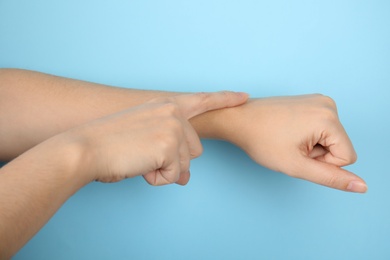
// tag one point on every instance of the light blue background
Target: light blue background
(232, 208)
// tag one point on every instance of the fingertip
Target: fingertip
(184, 179)
(357, 186)
(233, 98)
(240, 97)
(243, 95)
(331, 176)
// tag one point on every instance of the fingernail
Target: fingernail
(357, 186)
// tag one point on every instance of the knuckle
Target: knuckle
(165, 107)
(203, 95)
(172, 124)
(204, 99)
(197, 151)
(331, 181)
(169, 108)
(163, 178)
(171, 178)
(227, 96)
(353, 157)
(328, 101)
(153, 183)
(328, 114)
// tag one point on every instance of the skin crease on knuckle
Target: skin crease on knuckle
(204, 100)
(332, 181)
(170, 109)
(326, 101)
(329, 101)
(170, 177)
(227, 96)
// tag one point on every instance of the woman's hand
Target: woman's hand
(154, 139)
(300, 136)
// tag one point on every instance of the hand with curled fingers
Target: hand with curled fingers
(154, 140)
(300, 136)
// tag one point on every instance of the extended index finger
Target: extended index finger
(195, 104)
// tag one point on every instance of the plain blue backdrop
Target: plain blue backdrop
(232, 208)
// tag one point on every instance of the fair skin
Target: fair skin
(60, 134)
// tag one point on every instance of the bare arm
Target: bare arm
(300, 136)
(154, 140)
(35, 106)
(32, 188)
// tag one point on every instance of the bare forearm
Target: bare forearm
(32, 188)
(35, 106)
(146, 140)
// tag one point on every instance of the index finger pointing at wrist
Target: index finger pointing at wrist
(192, 105)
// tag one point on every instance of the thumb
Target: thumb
(331, 176)
(195, 104)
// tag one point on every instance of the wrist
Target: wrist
(218, 124)
(68, 155)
